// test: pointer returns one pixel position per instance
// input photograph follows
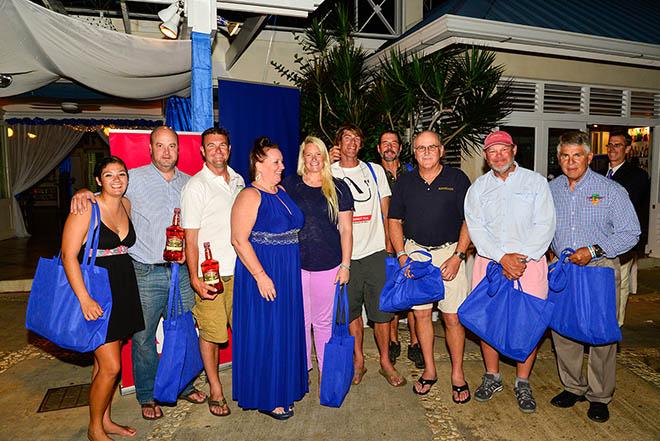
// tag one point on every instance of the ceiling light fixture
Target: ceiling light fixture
(171, 17)
(5, 80)
(232, 27)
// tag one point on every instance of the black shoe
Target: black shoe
(566, 399)
(415, 355)
(598, 412)
(395, 351)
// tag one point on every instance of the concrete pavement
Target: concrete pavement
(373, 410)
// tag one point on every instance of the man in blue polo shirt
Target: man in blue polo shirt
(154, 191)
(595, 218)
(427, 209)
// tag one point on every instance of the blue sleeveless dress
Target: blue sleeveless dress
(269, 366)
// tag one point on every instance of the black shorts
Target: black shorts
(364, 287)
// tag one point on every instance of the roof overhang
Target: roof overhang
(451, 29)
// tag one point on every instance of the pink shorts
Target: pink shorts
(534, 280)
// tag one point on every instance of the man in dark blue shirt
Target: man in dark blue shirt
(427, 209)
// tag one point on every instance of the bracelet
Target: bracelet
(346, 267)
(401, 253)
(592, 251)
(258, 272)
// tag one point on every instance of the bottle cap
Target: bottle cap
(207, 244)
(177, 210)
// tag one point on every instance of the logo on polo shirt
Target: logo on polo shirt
(446, 188)
(595, 199)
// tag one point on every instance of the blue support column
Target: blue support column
(202, 83)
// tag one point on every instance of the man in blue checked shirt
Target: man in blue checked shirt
(595, 218)
(154, 191)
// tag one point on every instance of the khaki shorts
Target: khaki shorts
(456, 290)
(213, 316)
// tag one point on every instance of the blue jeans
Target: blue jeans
(154, 285)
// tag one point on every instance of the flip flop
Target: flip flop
(391, 376)
(278, 416)
(189, 399)
(219, 403)
(359, 374)
(424, 382)
(459, 389)
(151, 405)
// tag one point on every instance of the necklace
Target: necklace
(263, 188)
(430, 181)
(274, 193)
(114, 220)
(312, 182)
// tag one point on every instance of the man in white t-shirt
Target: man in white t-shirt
(371, 193)
(206, 203)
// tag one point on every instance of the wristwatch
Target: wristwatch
(460, 255)
(599, 251)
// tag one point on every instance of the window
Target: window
(523, 137)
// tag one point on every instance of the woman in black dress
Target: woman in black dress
(116, 235)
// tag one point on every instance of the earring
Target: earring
(257, 177)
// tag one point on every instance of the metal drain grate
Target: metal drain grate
(65, 398)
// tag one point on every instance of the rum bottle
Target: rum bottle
(211, 270)
(174, 239)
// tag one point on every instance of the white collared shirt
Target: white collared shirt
(206, 203)
(614, 169)
(516, 215)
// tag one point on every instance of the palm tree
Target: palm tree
(458, 92)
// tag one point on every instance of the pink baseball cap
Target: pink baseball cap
(498, 137)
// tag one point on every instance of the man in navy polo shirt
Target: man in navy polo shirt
(427, 208)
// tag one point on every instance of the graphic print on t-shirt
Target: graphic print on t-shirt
(361, 191)
(368, 229)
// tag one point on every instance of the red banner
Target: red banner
(132, 146)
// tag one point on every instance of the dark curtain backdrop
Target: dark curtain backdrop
(177, 114)
(250, 110)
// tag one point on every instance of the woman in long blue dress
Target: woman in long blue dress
(268, 350)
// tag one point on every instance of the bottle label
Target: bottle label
(174, 244)
(211, 277)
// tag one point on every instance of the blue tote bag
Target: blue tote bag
(391, 267)
(425, 285)
(54, 310)
(585, 301)
(338, 366)
(504, 316)
(180, 361)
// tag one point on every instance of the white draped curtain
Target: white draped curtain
(32, 158)
(39, 46)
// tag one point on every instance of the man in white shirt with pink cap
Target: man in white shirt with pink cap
(510, 215)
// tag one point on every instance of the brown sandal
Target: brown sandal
(359, 374)
(221, 404)
(151, 405)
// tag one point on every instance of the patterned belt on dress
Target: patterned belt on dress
(121, 249)
(264, 238)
